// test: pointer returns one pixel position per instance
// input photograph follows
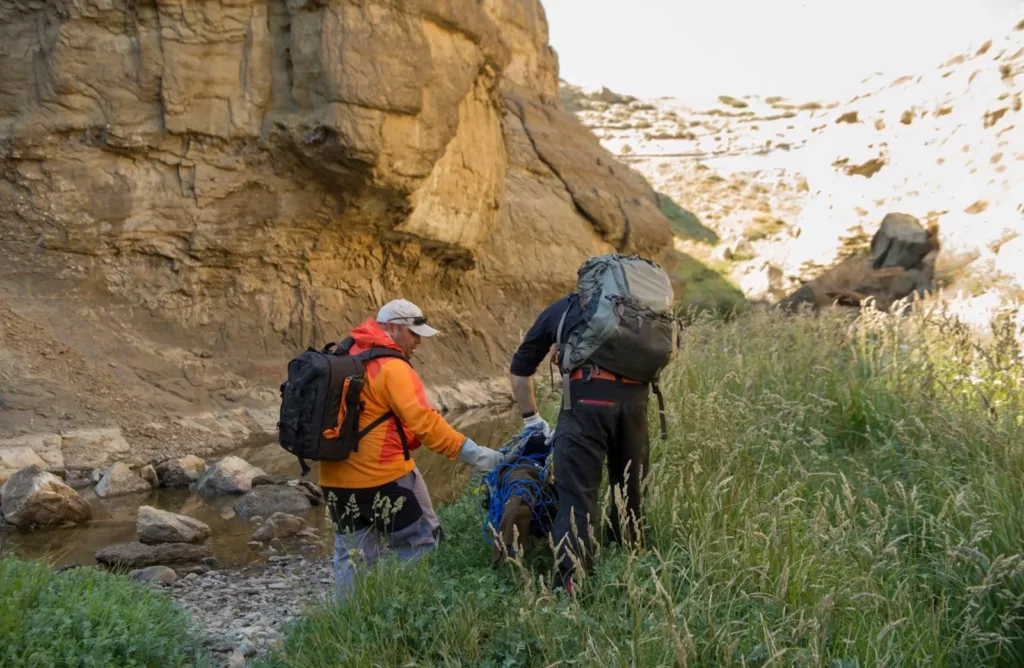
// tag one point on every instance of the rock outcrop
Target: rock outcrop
(901, 265)
(13, 459)
(33, 497)
(199, 190)
(27, 450)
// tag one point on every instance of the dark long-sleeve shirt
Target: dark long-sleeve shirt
(543, 334)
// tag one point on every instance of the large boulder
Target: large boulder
(265, 500)
(180, 472)
(119, 479)
(901, 241)
(138, 555)
(231, 475)
(160, 526)
(33, 497)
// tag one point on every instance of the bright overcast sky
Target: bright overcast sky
(797, 48)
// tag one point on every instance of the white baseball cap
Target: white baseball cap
(404, 312)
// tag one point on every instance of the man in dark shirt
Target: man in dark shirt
(607, 420)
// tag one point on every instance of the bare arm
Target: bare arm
(522, 390)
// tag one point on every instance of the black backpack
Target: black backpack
(321, 404)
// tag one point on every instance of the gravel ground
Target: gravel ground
(243, 612)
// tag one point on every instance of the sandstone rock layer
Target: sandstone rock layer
(198, 190)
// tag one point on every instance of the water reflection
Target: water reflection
(114, 519)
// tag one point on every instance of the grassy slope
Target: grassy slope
(830, 495)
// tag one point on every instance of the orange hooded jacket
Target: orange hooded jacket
(391, 385)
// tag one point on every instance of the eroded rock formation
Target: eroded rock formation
(901, 265)
(191, 192)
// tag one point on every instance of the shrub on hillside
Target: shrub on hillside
(834, 492)
(87, 617)
(733, 102)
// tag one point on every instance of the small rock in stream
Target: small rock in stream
(154, 575)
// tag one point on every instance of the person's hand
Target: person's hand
(536, 423)
(481, 459)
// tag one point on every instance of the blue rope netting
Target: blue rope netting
(500, 488)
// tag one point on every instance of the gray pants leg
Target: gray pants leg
(360, 550)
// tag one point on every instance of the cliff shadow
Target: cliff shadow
(699, 288)
(684, 223)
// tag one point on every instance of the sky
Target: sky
(801, 49)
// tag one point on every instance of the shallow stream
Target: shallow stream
(114, 518)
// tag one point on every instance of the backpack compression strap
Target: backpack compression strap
(661, 410)
(562, 350)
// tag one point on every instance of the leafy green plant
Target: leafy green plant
(87, 617)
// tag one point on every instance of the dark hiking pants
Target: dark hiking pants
(608, 420)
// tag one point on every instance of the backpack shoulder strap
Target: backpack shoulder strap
(561, 326)
(380, 352)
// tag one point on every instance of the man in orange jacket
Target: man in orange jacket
(377, 496)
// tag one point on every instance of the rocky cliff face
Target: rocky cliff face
(191, 192)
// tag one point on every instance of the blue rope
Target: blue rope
(500, 489)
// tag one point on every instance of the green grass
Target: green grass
(87, 617)
(833, 493)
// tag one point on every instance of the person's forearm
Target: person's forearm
(522, 390)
